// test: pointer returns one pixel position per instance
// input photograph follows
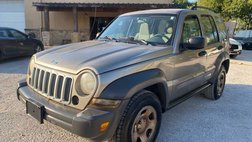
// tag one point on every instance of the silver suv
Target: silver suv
(117, 87)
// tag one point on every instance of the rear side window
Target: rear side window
(17, 34)
(209, 29)
(191, 28)
(221, 28)
(3, 33)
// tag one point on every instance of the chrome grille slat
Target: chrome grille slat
(49, 85)
(63, 89)
(56, 86)
(36, 78)
(33, 76)
(53, 85)
(43, 82)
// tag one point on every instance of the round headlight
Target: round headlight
(88, 83)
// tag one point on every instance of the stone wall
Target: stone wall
(59, 37)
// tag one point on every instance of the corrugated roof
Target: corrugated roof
(100, 5)
(110, 1)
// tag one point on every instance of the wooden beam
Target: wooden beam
(46, 19)
(75, 19)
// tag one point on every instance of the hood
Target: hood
(233, 41)
(101, 56)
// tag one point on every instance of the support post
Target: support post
(75, 34)
(46, 19)
(75, 19)
(46, 35)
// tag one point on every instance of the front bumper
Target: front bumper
(235, 52)
(85, 123)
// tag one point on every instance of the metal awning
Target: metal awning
(57, 6)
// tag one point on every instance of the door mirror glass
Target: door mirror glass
(97, 34)
(195, 43)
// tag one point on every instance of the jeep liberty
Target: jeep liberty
(117, 87)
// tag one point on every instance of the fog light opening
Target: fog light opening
(75, 100)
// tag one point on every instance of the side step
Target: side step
(189, 95)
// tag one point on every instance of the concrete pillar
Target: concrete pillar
(47, 38)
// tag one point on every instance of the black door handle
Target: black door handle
(202, 53)
(220, 47)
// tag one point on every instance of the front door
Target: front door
(189, 64)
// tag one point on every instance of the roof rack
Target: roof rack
(201, 7)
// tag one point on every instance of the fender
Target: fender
(126, 87)
(220, 59)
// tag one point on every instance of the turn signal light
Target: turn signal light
(104, 126)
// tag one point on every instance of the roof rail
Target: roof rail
(201, 7)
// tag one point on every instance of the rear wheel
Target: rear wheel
(141, 119)
(216, 90)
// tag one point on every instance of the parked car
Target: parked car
(117, 87)
(245, 38)
(14, 43)
(235, 48)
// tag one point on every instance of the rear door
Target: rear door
(213, 45)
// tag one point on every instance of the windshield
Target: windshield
(243, 34)
(153, 29)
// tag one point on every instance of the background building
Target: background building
(12, 14)
(63, 21)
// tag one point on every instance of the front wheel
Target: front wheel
(216, 90)
(141, 119)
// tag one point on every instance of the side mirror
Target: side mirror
(97, 35)
(195, 43)
(31, 35)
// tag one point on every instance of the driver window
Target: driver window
(191, 28)
(17, 35)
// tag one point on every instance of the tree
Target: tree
(182, 4)
(239, 10)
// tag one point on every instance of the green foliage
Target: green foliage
(182, 4)
(239, 10)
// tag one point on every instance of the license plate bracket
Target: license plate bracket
(35, 110)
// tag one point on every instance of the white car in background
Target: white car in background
(235, 48)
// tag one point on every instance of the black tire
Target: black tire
(215, 91)
(233, 56)
(1, 56)
(135, 109)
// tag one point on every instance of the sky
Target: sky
(192, 0)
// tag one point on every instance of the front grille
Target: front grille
(51, 84)
(234, 47)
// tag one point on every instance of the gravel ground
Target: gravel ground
(196, 120)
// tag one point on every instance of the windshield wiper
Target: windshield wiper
(109, 38)
(132, 40)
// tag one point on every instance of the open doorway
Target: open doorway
(98, 24)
